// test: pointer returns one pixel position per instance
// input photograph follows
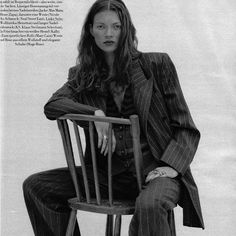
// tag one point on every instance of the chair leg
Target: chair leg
(117, 225)
(109, 225)
(171, 220)
(71, 223)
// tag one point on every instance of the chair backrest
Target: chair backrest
(64, 128)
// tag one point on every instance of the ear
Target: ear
(91, 29)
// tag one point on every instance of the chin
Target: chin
(109, 50)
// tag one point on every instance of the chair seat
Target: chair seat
(122, 207)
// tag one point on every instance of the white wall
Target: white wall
(200, 38)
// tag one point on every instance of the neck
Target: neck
(110, 59)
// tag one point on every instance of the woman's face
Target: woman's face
(106, 30)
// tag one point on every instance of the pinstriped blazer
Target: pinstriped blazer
(164, 116)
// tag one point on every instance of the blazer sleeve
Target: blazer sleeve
(181, 149)
(67, 100)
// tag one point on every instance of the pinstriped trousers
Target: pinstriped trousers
(46, 195)
(153, 207)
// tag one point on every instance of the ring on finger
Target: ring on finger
(162, 173)
(155, 172)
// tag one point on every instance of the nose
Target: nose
(109, 32)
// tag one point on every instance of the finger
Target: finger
(113, 143)
(106, 150)
(112, 146)
(155, 176)
(163, 174)
(161, 171)
(150, 176)
(99, 139)
(147, 178)
(104, 144)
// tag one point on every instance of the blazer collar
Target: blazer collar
(142, 85)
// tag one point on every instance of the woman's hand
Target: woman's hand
(164, 171)
(102, 131)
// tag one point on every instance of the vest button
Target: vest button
(126, 164)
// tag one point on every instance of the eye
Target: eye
(100, 27)
(117, 27)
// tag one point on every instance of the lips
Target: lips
(109, 43)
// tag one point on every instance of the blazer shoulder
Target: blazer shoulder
(72, 73)
(156, 57)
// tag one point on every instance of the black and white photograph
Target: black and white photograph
(118, 117)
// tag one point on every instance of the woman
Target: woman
(112, 78)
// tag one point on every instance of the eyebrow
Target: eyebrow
(97, 22)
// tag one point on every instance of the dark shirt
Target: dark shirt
(122, 133)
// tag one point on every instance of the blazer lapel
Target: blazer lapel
(142, 91)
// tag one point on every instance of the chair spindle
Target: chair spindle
(137, 149)
(81, 156)
(64, 130)
(110, 164)
(96, 181)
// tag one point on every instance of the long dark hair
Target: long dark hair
(91, 59)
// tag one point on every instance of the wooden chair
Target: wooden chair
(108, 206)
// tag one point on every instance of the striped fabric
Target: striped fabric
(164, 118)
(123, 136)
(153, 207)
(46, 195)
